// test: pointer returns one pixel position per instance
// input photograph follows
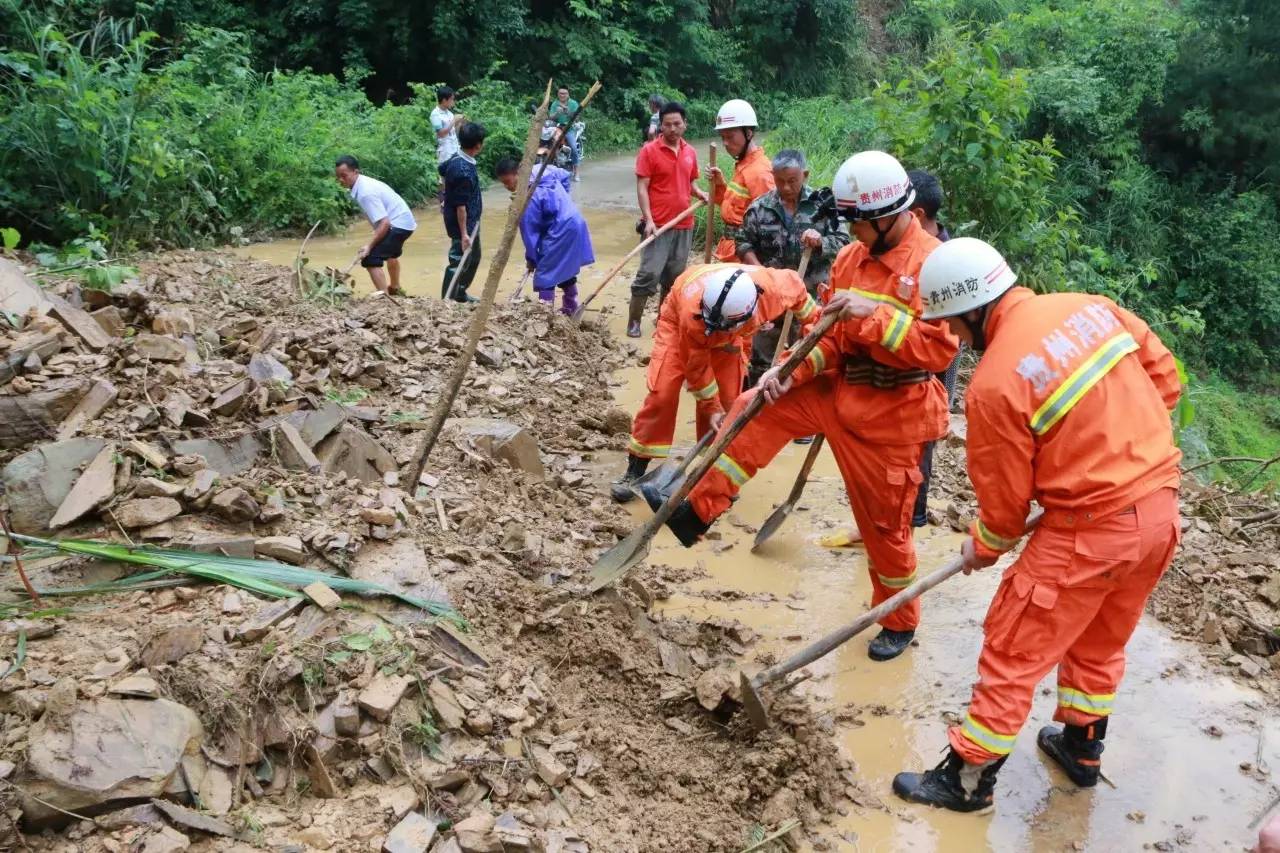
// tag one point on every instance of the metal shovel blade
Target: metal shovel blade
(619, 559)
(753, 704)
(783, 510)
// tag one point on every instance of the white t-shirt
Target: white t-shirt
(379, 201)
(446, 146)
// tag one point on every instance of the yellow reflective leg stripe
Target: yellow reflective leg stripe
(707, 393)
(732, 470)
(816, 360)
(1089, 703)
(881, 297)
(991, 540)
(990, 741)
(896, 332)
(1081, 380)
(897, 583)
(649, 451)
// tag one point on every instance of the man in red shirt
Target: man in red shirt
(665, 171)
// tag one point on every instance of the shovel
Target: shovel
(621, 558)
(582, 309)
(751, 698)
(519, 291)
(666, 474)
(448, 293)
(779, 515)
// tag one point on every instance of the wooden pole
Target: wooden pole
(709, 248)
(786, 322)
(524, 191)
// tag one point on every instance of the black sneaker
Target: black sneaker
(1076, 749)
(633, 329)
(684, 522)
(952, 785)
(889, 644)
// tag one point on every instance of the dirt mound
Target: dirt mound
(241, 419)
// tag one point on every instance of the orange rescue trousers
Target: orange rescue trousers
(654, 425)
(1072, 599)
(881, 481)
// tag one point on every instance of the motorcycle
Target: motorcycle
(564, 155)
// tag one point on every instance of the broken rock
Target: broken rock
(93, 488)
(92, 404)
(382, 695)
(159, 347)
(35, 416)
(228, 457)
(268, 616)
(324, 597)
(19, 294)
(105, 751)
(286, 549)
(172, 645)
(79, 322)
(145, 512)
(502, 440)
(355, 453)
(38, 481)
(413, 834)
(235, 504)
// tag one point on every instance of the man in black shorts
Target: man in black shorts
(390, 217)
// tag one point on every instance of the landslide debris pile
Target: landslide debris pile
(205, 406)
(1223, 588)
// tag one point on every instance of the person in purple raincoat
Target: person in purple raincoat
(556, 241)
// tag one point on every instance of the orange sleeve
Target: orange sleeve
(825, 356)
(717, 193)
(900, 340)
(760, 181)
(1001, 451)
(699, 378)
(1155, 357)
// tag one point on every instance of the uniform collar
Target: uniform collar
(662, 143)
(898, 259)
(775, 201)
(465, 156)
(1015, 297)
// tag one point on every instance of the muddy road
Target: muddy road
(1184, 740)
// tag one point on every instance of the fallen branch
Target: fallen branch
(782, 830)
(1222, 460)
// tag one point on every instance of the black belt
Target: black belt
(865, 371)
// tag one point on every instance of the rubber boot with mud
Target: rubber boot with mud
(635, 313)
(684, 522)
(889, 644)
(623, 489)
(953, 785)
(1076, 749)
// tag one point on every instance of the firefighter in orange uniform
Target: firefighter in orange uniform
(710, 311)
(752, 173)
(1069, 407)
(868, 386)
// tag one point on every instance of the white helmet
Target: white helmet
(728, 298)
(872, 185)
(960, 275)
(735, 113)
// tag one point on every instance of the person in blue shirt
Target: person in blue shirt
(462, 209)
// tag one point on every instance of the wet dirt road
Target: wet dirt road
(1175, 783)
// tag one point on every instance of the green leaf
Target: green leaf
(10, 237)
(358, 642)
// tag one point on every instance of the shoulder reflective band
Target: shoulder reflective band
(1081, 380)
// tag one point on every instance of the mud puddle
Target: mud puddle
(1184, 741)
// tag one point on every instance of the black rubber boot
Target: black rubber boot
(635, 313)
(684, 522)
(889, 644)
(1076, 749)
(952, 785)
(623, 489)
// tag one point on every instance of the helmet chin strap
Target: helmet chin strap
(748, 134)
(714, 319)
(881, 245)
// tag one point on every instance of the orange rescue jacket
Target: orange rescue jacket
(1069, 406)
(893, 336)
(752, 178)
(682, 334)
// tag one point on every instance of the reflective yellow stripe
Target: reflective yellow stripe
(897, 583)
(732, 470)
(707, 393)
(896, 332)
(1089, 703)
(881, 297)
(985, 738)
(1081, 380)
(738, 189)
(991, 540)
(807, 311)
(816, 360)
(649, 451)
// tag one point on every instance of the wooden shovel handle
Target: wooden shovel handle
(622, 263)
(786, 323)
(710, 244)
(744, 417)
(842, 635)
